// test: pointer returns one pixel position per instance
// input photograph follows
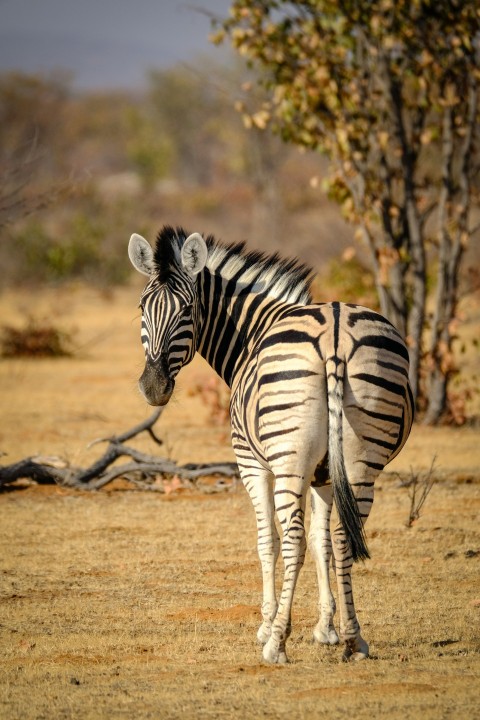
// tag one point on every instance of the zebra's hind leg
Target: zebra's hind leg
(355, 646)
(258, 483)
(361, 466)
(320, 544)
(290, 505)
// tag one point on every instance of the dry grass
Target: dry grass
(128, 604)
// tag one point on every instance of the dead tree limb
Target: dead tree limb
(32, 468)
(143, 471)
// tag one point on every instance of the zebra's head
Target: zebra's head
(170, 307)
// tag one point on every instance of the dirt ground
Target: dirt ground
(127, 604)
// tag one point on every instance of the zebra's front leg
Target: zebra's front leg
(290, 507)
(259, 485)
(320, 543)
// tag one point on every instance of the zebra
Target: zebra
(320, 401)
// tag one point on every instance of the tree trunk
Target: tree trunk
(413, 227)
(454, 210)
(145, 471)
(416, 317)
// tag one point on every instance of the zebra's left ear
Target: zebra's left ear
(194, 254)
(141, 255)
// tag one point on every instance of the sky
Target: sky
(105, 43)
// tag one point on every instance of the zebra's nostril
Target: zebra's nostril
(156, 394)
(155, 384)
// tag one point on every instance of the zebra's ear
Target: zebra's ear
(141, 255)
(194, 254)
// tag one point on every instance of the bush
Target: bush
(35, 340)
(41, 257)
(80, 247)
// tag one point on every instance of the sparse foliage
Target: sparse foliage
(31, 110)
(347, 279)
(390, 91)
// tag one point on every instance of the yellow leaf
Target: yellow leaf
(426, 137)
(348, 254)
(342, 138)
(383, 139)
(425, 58)
(260, 119)
(450, 98)
(321, 75)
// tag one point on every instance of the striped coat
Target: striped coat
(320, 402)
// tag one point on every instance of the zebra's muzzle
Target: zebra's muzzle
(155, 383)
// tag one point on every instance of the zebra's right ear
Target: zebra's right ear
(194, 254)
(141, 255)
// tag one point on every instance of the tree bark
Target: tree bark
(414, 238)
(454, 209)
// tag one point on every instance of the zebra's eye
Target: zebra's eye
(185, 310)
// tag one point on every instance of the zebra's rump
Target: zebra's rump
(305, 360)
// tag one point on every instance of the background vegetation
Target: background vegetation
(80, 172)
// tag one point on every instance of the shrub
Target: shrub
(35, 340)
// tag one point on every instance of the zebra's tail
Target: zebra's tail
(343, 496)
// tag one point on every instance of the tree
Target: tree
(389, 90)
(31, 110)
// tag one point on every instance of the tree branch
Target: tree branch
(144, 470)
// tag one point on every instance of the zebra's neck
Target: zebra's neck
(232, 316)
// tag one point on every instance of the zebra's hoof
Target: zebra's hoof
(325, 636)
(263, 634)
(273, 655)
(355, 649)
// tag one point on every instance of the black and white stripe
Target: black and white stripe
(319, 400)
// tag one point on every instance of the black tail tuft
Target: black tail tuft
(347, 509)
(350, 518)
(343, 496)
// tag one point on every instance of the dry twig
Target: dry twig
(143, 470)
(419, 487)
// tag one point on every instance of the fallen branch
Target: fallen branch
(145, 471)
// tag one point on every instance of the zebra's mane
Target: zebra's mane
(284, 279)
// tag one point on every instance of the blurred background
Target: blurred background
(119, 117)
